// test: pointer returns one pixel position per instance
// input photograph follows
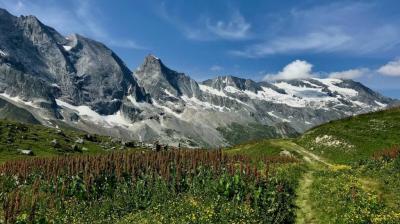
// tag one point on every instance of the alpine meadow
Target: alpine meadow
(288, 112)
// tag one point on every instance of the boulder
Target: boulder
(55, 143)
(79, 141)
(27, 152)
(285, 153)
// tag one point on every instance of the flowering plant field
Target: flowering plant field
(197, 186)
(366, 192)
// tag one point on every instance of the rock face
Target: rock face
(39, 64)
(82, 83)
(161, 82)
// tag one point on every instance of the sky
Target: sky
(258, 39)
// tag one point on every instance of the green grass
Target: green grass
(267, 147)
(356, 137)
(365, 193)
(208, 207)
(238, 134)
(383, 177)
(16, 136)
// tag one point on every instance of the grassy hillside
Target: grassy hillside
(205, 186)
(45, 141)
(267, 147)
(238, 134)
(366, 192)
(354, 138)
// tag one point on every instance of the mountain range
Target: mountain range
(80, 83)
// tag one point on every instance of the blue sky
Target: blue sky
(251, 39)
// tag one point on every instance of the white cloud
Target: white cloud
(216, 68)
(297, 69)
(327, 40)
(83, 18)
(300, 69)
(204, 28)
(352, 28)
(349, 74)
(129, 44)
(236, 28)
(390, 69)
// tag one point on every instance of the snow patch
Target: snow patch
(116, 119)
(380, 104)
(167, 109)
(194, 102)
(334, 88)
(231, 89)
(67, 48)
(154, 57)
(217, 92)
(3, 54)
(358, 103)
(280, 118)
(55, 85)
(169, 93)
(211, 90)
(311, 84)
(307, 95)
(17, 99)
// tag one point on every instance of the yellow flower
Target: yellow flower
(340, 167)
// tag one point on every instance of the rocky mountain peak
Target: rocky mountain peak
(161, 81)
(4, 12)
(151, 62)
(31, 24)
(152, 57)
(221, 82)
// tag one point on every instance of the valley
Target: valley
(234, 125)
(50, 82)
(268, 181)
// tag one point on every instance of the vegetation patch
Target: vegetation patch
(266, 147)
(236, 133)
(367, 192)
(354, 138)
(18, 141)
(142, 186)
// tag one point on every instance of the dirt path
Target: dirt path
(304, 213)
(311, 157)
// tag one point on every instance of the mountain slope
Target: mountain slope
(21, 140)
(354, 138)
(39, 65)
(83, 84)
(9, 111)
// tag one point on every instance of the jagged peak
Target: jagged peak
(152, 57)
(151, 62)
(4, 12)
(221, 82)
(33, 20)
(230, 78)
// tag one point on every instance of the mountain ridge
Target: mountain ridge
(84, 84)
